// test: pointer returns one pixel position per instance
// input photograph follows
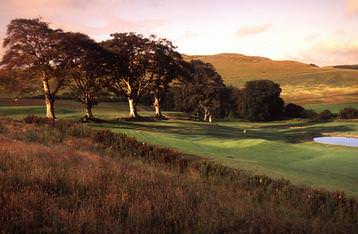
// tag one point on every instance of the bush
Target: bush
(33, 119)
(348, 113)
(310, 114)
(325, 115)
(294, 111)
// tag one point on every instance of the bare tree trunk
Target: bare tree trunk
(206, 112)
(156, 104)
(132, 108)
(89, 114)
(49, 100)
(210, 118)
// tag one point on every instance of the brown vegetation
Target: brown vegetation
(66, 178)
(301, 83)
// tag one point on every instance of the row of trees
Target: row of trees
(127, 64)
(259, 100)
(132, 66)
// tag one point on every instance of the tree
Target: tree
(325, 115)
(202, 93)
(348, 113)
(7, 81)
(261, 101)
(33, 47)
(294, 111)
(166, 64)
(229, 98)
(88, 68)
(130, 73)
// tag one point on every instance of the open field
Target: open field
(301, 83)
(280, 149)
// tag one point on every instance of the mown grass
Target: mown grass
(282, 149)
(98, 182)
(333, 107)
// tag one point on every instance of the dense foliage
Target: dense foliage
(348, 113)
(325, 115)
(294, 111)
(261, 101)
(128, 64)
(201, 95)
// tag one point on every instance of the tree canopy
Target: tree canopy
(32, 46)
(130, 71)
(89, 66)
(261, 101)
(201, 94)
(128, 65)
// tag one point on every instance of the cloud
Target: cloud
(312, 37)
(96, 18)
(251, 30)
(332, 52)
(49, 4)
(344, 48)
(352, 6)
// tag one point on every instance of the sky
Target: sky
(324, 32)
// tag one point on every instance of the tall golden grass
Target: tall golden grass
(66, 178)
(301, 83)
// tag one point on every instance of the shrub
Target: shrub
(3, 129)
(325, 115)
(33, 119)
(310, 114)
(294, 111)
(348, 113)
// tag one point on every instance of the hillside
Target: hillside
(302, 83)
(282, 149)
(75, 180)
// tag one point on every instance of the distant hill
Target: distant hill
(302, 83)
(347, 66)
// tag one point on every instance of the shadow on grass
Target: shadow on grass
(289, 133)
(32, 110)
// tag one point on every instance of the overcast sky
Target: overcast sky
(324, 32)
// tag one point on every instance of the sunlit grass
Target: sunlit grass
(300, 82)
(278, 149)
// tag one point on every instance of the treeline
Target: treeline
(259, 100)
(127, 64)
(133, 68)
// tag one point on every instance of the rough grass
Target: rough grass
(281, 149)
(90, 182)
(301, 83)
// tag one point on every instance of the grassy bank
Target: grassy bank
(281, 149)
(73, 179)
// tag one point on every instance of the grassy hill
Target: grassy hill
(282, 149)
(302, 83)
(67, 178)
